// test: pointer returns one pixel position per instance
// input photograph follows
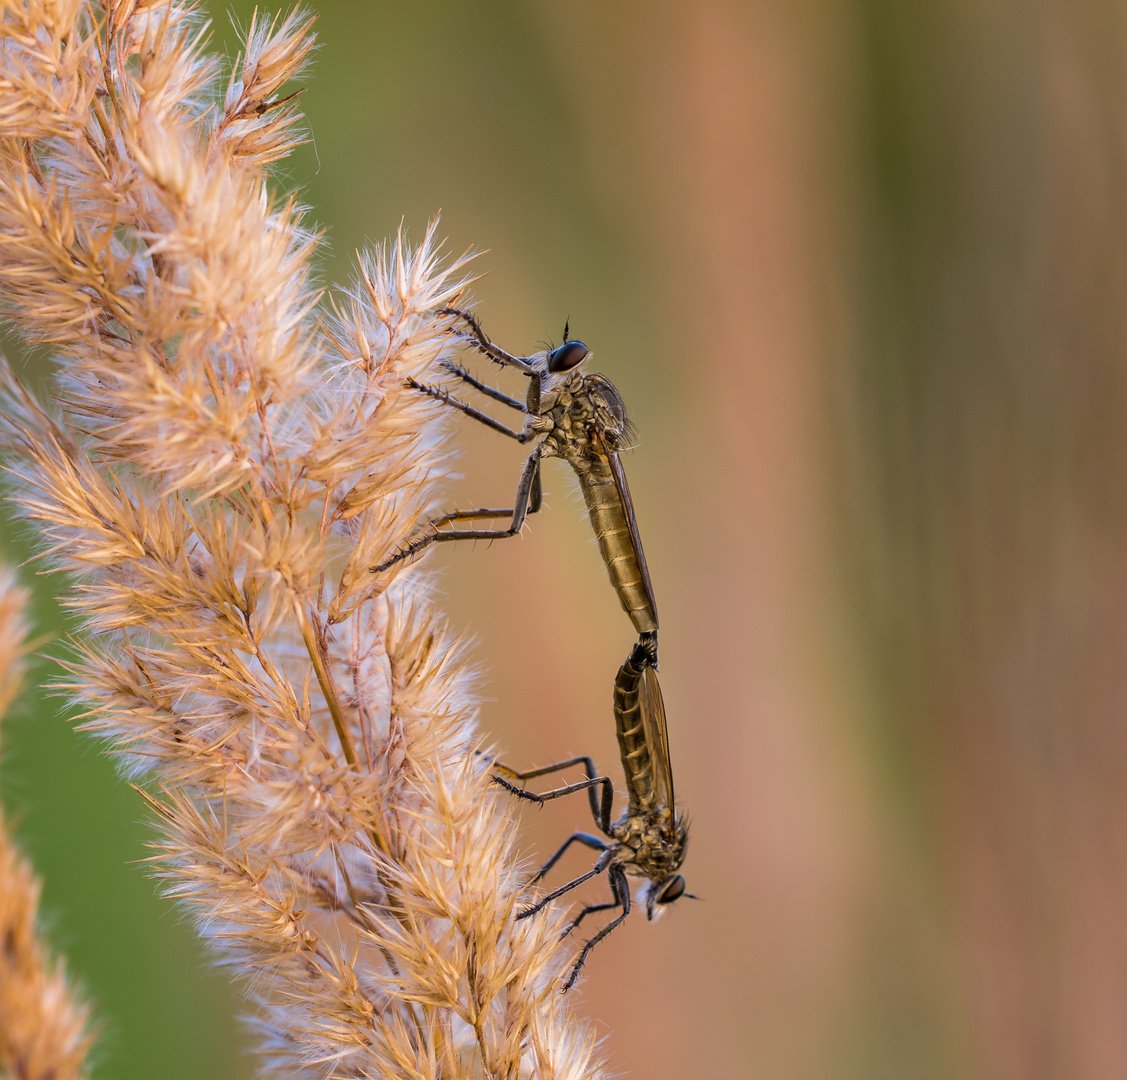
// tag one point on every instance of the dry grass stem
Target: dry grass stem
(220, 468)
(44, 1032)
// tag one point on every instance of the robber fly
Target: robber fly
(649, 840)
(574, 415)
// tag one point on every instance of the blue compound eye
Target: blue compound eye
(567, 356)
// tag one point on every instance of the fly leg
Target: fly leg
(590, 909)
(447, 398)
(535, 502)
(621, 889)
(558, 793)
(529, 499)
(600, 809)
(580, 837)
(604, 861)
(483, 344)
(484, 388)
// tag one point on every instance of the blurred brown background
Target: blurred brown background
(859, 269)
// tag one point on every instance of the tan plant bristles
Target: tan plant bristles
(44, 1033)
(218, 474)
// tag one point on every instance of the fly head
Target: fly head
(570, 354)
(663, 893)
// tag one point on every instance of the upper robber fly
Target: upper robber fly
(574, 415)
(649, 840)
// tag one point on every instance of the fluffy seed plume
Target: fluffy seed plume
(44, 1033)
(219, 469)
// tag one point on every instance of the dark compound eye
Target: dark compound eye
(567, 356)
(673, 889)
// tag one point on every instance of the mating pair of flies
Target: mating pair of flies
(579, 416)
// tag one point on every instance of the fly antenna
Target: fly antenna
(567, 325)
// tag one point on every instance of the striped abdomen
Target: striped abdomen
(617, 544)
(637, 762)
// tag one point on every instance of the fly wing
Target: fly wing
(628, 505)
(657, 736)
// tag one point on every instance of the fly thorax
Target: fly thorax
(628, 830)
(562, 418)
(607, 411)
(643, 835)
(575, 432)
(653, 845)
(559, 387)
(579, 413)
(609, 423)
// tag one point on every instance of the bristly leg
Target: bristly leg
(601, 810)
(590, 909)
(621, 889)
(604, 861)
(481, 340)
(447, 398)
(557, 793)
(528, 501)
(586, 839)
(460, 372)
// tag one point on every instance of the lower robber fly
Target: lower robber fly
(649, 840)
(571, 414)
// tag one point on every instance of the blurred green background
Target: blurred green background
(859, 270)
